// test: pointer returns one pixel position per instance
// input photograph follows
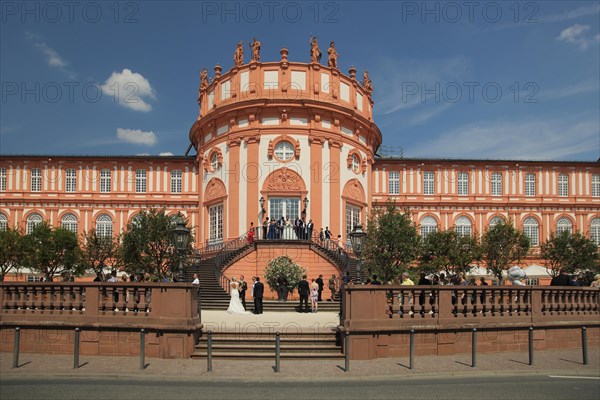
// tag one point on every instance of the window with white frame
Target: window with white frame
(595, 185)
(595, 231)
(352, 217)
(531, 230)
(215, 218)
(495, 221)
(105, 180)
(140, 181)
(428, 225)
(69, 222)
(3, 222)
(529, 185)
(428, 183)
(463, 226)
(564, 224)
(355, 164)
(104, 226)
(563, 185)
(284, 207)
(2, 179)
(176, 179)
(532, 281)
(394, 182)
(463, 184)
(70, 180)
(33, 278)
(284, 151)
(36, 180)
(33, 220)
(496, 184)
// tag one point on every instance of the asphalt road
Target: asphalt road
(476, 387)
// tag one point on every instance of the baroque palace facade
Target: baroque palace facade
(295, 139)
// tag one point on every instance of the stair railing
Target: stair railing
(333, 250)
(227, 252)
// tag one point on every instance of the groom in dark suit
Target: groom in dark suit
(303, 291)
(259, 289)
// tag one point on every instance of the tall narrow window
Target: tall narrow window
(428, 183)
(140, 181)
(2, 179)
(595, 185)
(531, 230)
(428, 225)
(215, 217)
(529, 185)
(496, 184)
(495, 221)
(394, 182)
(69, 222)
(105, 180)
(3, 222)
(564, 224)
(352, 217)
(463, 226)
(463, 184)
(563, 185)
(176, 181)
(32, 221)
(104, 226)
(595, 231)
(70, 180)
(36, 180)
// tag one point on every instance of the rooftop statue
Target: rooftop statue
(333, 55)
(255, 46)
(367, 84)
(238, 56)
(203, 84)
(315, 52)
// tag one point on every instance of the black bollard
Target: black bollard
(531, 345)
(16, 344)
(277, 352)
(474, 348)
(347, 351)
(584, 345)
(76, 351)
(143, 349)
(209, 352)
(412, 349)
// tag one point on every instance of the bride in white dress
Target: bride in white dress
(235, 304)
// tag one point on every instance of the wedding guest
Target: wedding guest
(321, 284)
(314, 296)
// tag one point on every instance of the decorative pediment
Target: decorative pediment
(285, 180)
(354, 191)
(215, 189)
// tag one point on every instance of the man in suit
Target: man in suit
(563, 279)
(303, 291)
(259, 289)
(243, 288)
(321, 285)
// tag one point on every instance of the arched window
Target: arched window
(104, 226)
(284, 151)
(135, 221)
(428, 225)
(69, 222)
(595, 231)
(32, 221)
(463, 226)
(531, 230)
(564, 224)
(495, 221)
(3, 222)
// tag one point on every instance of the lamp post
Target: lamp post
(262, 204)
(181, 235)
(357, 238)
(305, 201)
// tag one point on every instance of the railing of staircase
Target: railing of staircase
(226, 253)
(333, 250)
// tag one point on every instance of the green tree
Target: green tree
(99, 252)
(52, 251)
(447, 251)
(11, 251)
(392, 242)
(501, 246)
(575, 253)
(148, 245)
(283, 265)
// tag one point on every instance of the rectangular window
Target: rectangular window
(563, 185)
(176, 181)
(284, 207)
(496, 184)
(215, 217)
(428, 183)
(529, 185)
(352, 217)
(36, 180)
(225, 90)
(299, 80)
(324, 83)
(33, 278)
(359, 101)
(105, 180)
(140, 181)
(345, 92)
(2, 179)
(244, 81)
(70, 180)
(394, 182)
(595, 185)
(271, 79)
(463, 184)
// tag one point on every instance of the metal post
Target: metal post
(209, 352)
(76, 352)
(277, 351)
(16, 347)
(584, 345)
(474, 348)
(142, 349)
(531, 345)
(412, 349)
(347, 351)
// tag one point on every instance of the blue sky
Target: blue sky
(505, 79)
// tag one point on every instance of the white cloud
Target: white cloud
(130, 90)
(54, 59)
(572, 14)
(530, 140)
(165, 154)
(577, 35)
(136, 136)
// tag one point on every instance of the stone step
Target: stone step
(240, 356)
(269, 348)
